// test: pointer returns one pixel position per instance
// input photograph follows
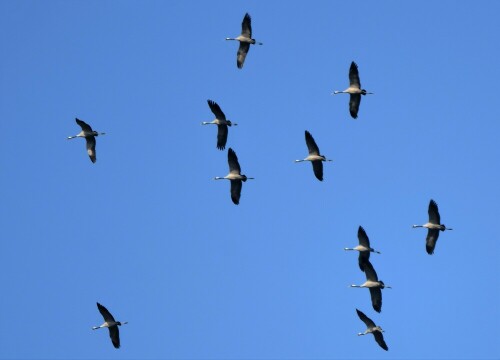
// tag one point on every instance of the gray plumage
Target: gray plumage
(245, 40)
(373, 329)
(434, 226)
(354, 90)
(89, 136)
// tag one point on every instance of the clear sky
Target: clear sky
(147, 232)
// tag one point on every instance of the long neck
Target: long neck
(348, 249)
(416, 226)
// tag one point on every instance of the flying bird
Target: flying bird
(245, 40)
(434, 226)
(354, 90)
(374, 285)
(89, 136)
(234, 176)
(111, 324)
(314, 157)
(371, 328)
(221, 122)
(363, 248)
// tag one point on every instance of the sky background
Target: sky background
(146, 231)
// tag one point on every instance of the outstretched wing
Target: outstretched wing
(232, 159)
(105, 313)
(354, 76)
(354, 101)
(242, 54)
(221, 136)
(216, 110)
(363, 238)
(368, 322)
(376, 295)
(318, 169)
(311, 144)
(236, 186)
(246, 26)
(434, 217)
(114, 334)
(91, 148)
(430, 242)
(379, 338)
(85, 127)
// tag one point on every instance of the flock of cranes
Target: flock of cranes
(236, 179)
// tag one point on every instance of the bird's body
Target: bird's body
(434, 226)
(89, 136)
(374, 285)
(111, 324)
(314, 156)
(234, 176)
(371, 328)
(245, 40)
(363, 248)
(354, 90)
(221, 122)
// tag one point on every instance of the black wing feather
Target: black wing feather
(434, 217)
(432, 238)
(376, 295)
(368, 322)
(114, 334)
(105, 313)
(85, 127)
(216, 110)
(246, 26)
(318, 169)
(236, 186)
(311, 144)
(354, 101)
(222, 132)
(243, 50)
(379, 338)
(354, 76)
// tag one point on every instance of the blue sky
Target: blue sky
(147, 232)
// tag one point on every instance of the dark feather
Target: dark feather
(430, 243)
(216, 110)
(379, 338)
(246, 26)
(368, 322)
(354, 76)
(311, 144)
(318, 169)
(232, 159)
(243, 50)
(354, 101)
(376, 295)
(236, 191)
(434, 217)
(91, 148)
(105, 313)
(114, 334)
(221, 136)
(85, 127)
